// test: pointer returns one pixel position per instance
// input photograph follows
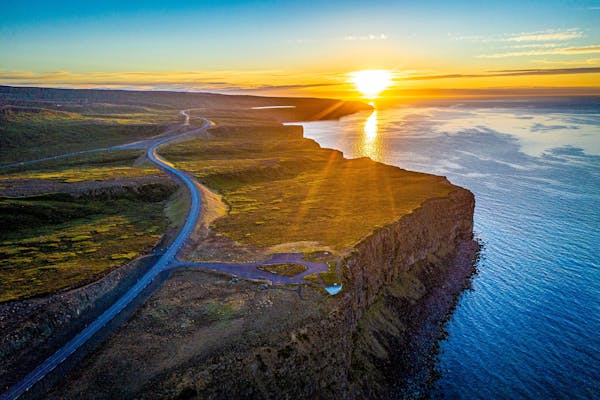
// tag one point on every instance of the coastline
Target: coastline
(342, 316)
(337, 344)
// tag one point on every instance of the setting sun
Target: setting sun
(371, 82)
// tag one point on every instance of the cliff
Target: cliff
(361, 346)
(226, 340)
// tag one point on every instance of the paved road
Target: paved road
(141, 144)
(166, 259)
(249, 270)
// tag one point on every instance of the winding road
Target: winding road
(167, 261)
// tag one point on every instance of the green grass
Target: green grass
(328, 277)
(284, 189)
(17, 213)
(97, 166)
(283, 269)
(88, 173)
(177, 208)
(33, 135)
(51, 243)
(97, 159)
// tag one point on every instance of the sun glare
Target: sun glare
(370, 144)
(371, 82)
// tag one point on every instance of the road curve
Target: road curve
(140, 144)
(167, 258)
(249, 270)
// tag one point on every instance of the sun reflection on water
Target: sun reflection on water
(370, 143)
(370, 127)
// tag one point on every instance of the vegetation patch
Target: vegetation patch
(220, 310)
(330, 277)
(97, 159)
(72, 175)
(54, 242)
(43, 133)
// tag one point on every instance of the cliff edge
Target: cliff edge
(203, 335)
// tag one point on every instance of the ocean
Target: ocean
(529, 326)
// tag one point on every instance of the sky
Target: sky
(304, 48)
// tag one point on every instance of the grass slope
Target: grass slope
(53, 242)
(33, 135)
(282, 188)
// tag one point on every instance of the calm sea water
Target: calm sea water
(530, 326)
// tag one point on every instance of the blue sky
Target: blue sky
(297, 41)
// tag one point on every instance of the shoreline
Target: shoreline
(262, 357)
(363, 290)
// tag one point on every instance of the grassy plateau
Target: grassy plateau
(28, 134)
(282, 188)
(284, 192)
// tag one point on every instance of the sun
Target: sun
(371, 82)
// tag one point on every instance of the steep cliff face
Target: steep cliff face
(399, 283)
(405, 279)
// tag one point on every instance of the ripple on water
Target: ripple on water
(529, 328)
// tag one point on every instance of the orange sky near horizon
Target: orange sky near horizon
(332, 84)
(262, 47)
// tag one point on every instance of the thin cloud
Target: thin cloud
(551, 71)
(299, 86)
(546, 36)
(349, 38)
(510, 72)
(444, 76)
(556, 51)
(589, 61)
(497, 92)
(536, 45)
(381, 36)
(184, 80)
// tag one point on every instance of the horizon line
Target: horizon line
(399, 94)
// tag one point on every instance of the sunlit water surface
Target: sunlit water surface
(530, 326)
